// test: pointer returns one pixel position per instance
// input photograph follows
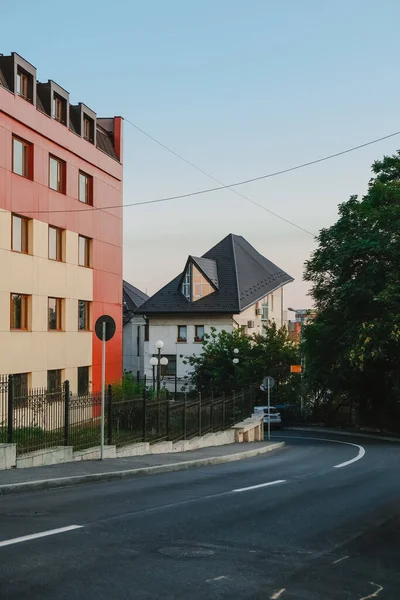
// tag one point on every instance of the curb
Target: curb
(48, 484)
(346, 433)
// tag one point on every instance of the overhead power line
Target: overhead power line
(224, 187)
(200, 170)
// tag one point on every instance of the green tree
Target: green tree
(352, 347)
(269, 353)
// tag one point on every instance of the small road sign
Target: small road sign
(110, 327)
(268, 380)
(296, 368)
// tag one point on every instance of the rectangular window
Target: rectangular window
(20, 388)
(54, 381)
(83, 381)
(182, 333)
(147, 332)
(83, 315)
(199, 333)
(57, 174)
(85, 188)
(88, 128)
(186, 284)
(272, 302)
(55, 314)
(84, 251)
(59, 108)
(23, 84)
(21, 157)
(19, 312)
(20, 234)
(55, 243)
(168, 370)
(138, 340)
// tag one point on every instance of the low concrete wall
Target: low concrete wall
(133, 450)
(250, 430)
(49, 456)
(8, 454)
(94, 453)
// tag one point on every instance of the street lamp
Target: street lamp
(235, 360)
(158, 361)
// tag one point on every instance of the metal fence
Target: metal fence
(40, 419)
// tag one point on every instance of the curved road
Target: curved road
(318, 520)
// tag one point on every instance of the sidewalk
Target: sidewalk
(74, 473)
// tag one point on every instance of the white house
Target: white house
(230, 286)
(134, 330)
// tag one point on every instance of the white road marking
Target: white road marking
(41, 534)
(260, 485)
(335, 562)
(374, 595)
(361, 449)
(217, 578)
(278, 594)
(361, 452)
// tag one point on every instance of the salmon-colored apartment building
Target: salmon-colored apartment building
(60, 242)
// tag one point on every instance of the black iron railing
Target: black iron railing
(40, 419)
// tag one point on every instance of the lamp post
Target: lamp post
(158, 361)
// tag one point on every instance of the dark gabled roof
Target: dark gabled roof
(244, 276)
(132, 298)
(208, 267)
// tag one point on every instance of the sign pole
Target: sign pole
(269, 407)
(103, 386)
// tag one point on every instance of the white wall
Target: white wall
(166, 329)
(132, 361)
(275, 303)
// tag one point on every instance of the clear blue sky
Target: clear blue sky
(239, 88)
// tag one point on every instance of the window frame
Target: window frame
(88, 188)
(88, 252)
(181, 339)
(88, 129)
(86, 316)
(61, 174)
(25, 298)
(21, 398)
(59, 244)
(197, 338)
(59, 314)
(26, 158)
(58, 101)
(87, 384)
(53, 393)
(23, 80)
(24, 234)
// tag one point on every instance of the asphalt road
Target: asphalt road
(325, 527)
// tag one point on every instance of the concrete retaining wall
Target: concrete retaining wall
(94, 453)
(8, 453)
(249, 430)
(49, 456)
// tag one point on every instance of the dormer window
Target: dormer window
(88, 129)
(195, 284)
(23, 84)
(59, 108)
